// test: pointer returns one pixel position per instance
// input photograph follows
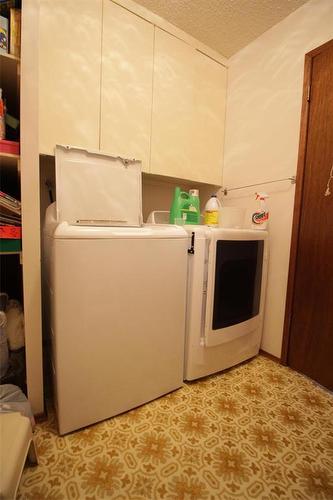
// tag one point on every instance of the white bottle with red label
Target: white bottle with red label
(260, 216)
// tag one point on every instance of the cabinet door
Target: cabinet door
(127, 72)
(173, 111)
(210, 98)
(69, 73)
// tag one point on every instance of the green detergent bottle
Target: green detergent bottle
(193, 209)
(185, 208)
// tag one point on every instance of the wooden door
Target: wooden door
(127, 76)
(308, 344)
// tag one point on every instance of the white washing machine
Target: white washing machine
(110, 285)
(227, 272)
(117, 298)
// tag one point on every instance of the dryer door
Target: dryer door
(235, 285)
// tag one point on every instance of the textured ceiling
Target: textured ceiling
(224, 25)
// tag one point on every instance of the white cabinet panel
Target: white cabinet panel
(173, 118)
(210, 98)
(188, 112)
(69, 73)
(127, 73)
(110, 80)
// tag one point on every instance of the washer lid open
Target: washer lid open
(97, 189)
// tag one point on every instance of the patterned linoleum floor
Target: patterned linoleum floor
(257, 431)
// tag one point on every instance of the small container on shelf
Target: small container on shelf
(10, 246)
(9, 147)
(2, 117)
(10, 232)
(15, 32)
(212, 209)
(3, 35)
(10, 223)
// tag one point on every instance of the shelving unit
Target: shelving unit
(10, 249)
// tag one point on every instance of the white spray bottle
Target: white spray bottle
(260, 216)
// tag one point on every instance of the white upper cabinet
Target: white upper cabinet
(188, 112)
(173, 117)
(127, 73)
(210, 99)
(69, 73)
(110, 80)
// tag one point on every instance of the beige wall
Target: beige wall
(262, 130)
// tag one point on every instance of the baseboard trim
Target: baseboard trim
(270, 356)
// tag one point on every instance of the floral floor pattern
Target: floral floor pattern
(256, 431)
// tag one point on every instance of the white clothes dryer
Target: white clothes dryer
(227, 270)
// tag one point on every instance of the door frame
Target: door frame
(302, 149)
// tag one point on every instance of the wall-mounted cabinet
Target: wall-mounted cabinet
(126, 92)
(188, 112)
(173, 121)
(210, 101)
(113, 81)
(69, 73)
